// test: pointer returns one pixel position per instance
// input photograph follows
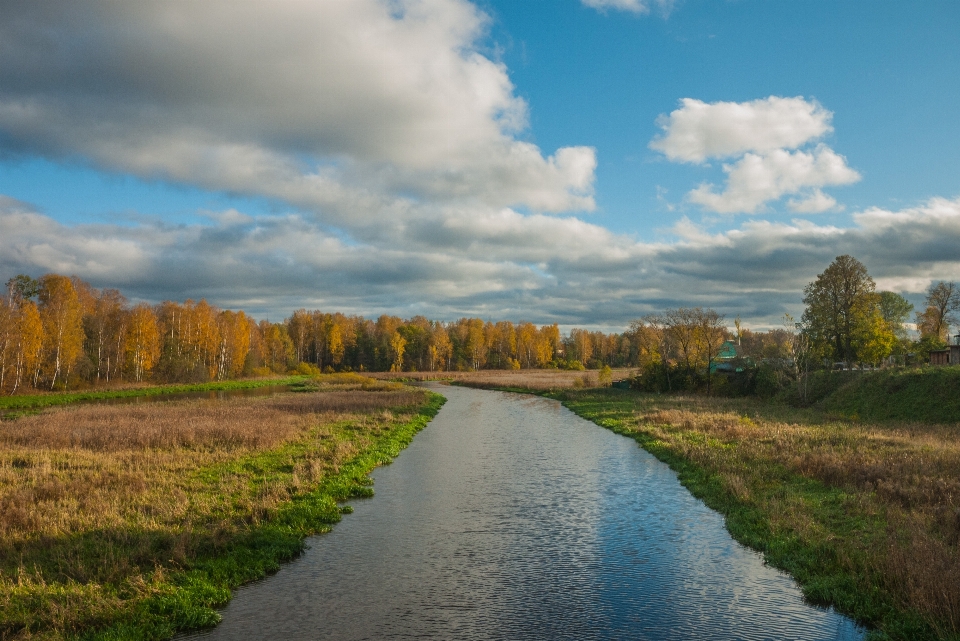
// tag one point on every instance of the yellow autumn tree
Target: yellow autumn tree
(142, 342)
(440, 348)
(335, 343)
(21, 342)
(234, 331)
(62, 319)
(527, 344)
(276, 347)
(29, 347)
(398, 344)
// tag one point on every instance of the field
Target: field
(520, 380)
(866, 516)
(132, 521)
(12, 406)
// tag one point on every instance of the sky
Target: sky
(583, 162)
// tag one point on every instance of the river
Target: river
(509, 517)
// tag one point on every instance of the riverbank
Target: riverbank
(134, 522)
(866, 517)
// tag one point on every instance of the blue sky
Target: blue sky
(528, 159)
(887, 70)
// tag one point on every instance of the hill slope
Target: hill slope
(928, 395)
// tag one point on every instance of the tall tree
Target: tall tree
(441, 349)
(398, 345)
(841, 305)
(710, 336)
(142, 343)
(61, 315)
(943, 301)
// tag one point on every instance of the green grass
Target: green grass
(926, 395)
(40, 401)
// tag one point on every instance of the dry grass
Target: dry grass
(529, 379)
(899, 522)
(101, 495)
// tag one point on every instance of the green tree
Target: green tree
(895, 310)
(841, 308)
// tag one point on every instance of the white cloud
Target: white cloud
(761, 135)
(816, 203)
(757, 179)
(315, 103)
(497, 264)
(633, 6)
(698, 131)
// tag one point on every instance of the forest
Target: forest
(58, 332)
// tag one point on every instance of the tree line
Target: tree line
(58, 332)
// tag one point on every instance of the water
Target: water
(509, 517)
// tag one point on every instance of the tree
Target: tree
(710, 336)
(663, 339)
(527, 344)
(142, 344)
(680, 326)
(441, 349)
(895, 310)
(943, 300)
(299, 328)
(476, 343)
(841, 305)
(62, 319)
(21, 287)
(397, 346)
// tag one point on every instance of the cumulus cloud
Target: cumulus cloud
(757, 179)
(764, 136)
(699, 130)
(491, 263)
(633, 6)
(815, 203)
(306, 102)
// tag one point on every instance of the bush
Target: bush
(605, 376)
(307, 369)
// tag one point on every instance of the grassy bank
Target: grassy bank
(928, 394)
(53, 399)
(866, 517)
(133, 522)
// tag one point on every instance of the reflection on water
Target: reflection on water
(511, 518)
